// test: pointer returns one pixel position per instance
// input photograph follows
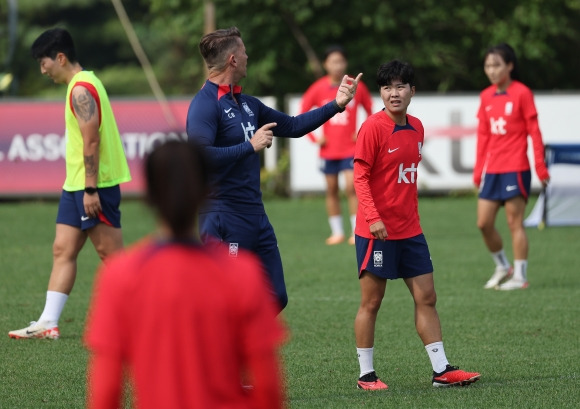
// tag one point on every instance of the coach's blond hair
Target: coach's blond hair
(215, 47)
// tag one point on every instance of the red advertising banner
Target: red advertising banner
(32, 142)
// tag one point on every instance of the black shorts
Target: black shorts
(392, 259)
(71, 210)
(504, 186)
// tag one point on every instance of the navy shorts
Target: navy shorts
(392, 259)
(252, 232)
(503, 186)
(335, 166)
(71, 210)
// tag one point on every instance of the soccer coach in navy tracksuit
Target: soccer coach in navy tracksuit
(233, 128)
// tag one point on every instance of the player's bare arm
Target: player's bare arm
(87, 114)
(346, 90)
(263, 137)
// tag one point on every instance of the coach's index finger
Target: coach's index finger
(269, 126)
(358, 77)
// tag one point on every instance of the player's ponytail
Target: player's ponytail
(177, 180)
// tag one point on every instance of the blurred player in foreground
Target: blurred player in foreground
(389, 240)
(221, 307)
(234, 128)
(337, 140)
(95, 166)
(507, 115)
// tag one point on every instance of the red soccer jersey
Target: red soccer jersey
(385, 176)
(505, 121)
(185, 322)
(340, 130)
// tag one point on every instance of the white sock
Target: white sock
(521, 270)
(336, 225)
(437, 356)
(500, 259)
(353, 222)
(55, 302)
(365, 360)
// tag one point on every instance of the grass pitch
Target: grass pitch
(524, 343)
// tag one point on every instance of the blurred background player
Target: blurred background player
(95, 166)
(337, 140)
(234, 128)
(389, 240)
(187, 323)
(507, 115)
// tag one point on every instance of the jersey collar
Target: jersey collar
(225, 89)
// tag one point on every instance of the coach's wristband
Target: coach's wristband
(338, 108)
(90, 190)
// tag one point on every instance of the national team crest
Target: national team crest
(233, 249)
(247, 109)
(509, 107)
(378, 258)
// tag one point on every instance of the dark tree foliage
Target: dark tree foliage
(445, 40)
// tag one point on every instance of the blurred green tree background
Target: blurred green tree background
(445, 40)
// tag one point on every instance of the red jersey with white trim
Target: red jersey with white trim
(505, 121)
(186, 322)
(340, 130)
(385, 176)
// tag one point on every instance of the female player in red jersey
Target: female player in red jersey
(338, 139)
(188, 324)
(389, 240)
(507, 115)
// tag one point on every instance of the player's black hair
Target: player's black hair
(52, 42)
(177, 179)
(335, 48)
(215, 46)
(507, 53)
(395, 70)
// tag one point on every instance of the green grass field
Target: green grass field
(526, 344)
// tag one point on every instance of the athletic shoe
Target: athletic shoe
(498, 276)
(334, 239)
(453, 376)
(351, 240)
(35, 330)
(513, 284)
(370, 382)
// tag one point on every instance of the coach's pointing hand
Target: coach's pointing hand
(346, 90)
(263, 137)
